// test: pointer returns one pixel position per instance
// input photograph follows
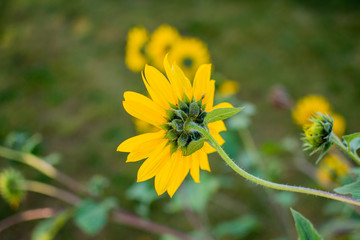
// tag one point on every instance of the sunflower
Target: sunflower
(161, 41)
(172, 151)
(135, 58)
(332, 169)
(189, 54)
(309, 105)
(339, 124)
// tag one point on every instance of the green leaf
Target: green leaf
(304, 227)
(237, 228)
(47, 229)
(221, 114)
(352, 188)
(352, 141)
(91, 216)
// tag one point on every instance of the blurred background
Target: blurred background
(63, 74)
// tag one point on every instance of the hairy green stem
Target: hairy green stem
(340, 144)
(265, 183)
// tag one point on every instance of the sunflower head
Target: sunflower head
(318, 133)
(307, 107)
(175, 149)
(135, 58)
(189, 54)
(179, 116)
(161, 42)
(11, 186)
(332, 168)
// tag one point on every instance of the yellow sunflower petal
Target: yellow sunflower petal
(141, 99)
(217, 126)
(203, 159)
(182, 167)
(208, 149)
(222, 105)
(201, 81)
(134, 142)
(185, 82)
(163, 177)
(141, 112)
(161, 89)
(173, 80)
(209, 96)
(154, 163)
(195, 169)
(143, 151)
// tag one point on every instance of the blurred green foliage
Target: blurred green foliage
(62, 75)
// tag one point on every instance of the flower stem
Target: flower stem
(266, 183)
(43, 167)
(339, 143)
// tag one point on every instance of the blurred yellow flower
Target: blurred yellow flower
(161, 42)
(135, 58)
(173, 151)
(331, 169)
(339, 124)
(189, 54)
(228, 88)
(307, 106)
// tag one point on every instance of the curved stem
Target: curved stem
(266, 183)
(339, 143)
(52, 191)
(43, 167)
(29, 215)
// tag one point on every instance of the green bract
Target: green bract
(189, 141)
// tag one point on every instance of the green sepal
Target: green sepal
(166, 126)
(186, 99)
(194, 109)
(324, 151)
(170, 114)
(172, 134)
(352, 188)
(177, 124)
(221, 114)
(193, 146)
(173, 147)
(183, 140)
(183, 107)
(304, 227)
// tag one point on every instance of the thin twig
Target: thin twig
(29, 215)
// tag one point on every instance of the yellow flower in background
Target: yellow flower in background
(189, 54)
(339, 124)
(307, 106)
(331, 169)
(135, 58)
(161, 41)
(173, 151)
(228, 88)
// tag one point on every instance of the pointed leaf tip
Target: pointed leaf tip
(221, 114)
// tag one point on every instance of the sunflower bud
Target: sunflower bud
(12, 187)
(317, 134)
